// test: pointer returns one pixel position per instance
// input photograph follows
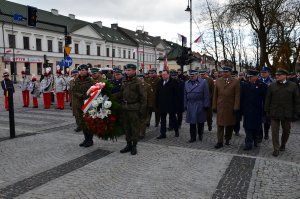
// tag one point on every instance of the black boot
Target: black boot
(127, 148)
(77, 129)
(177, 133)
(89, 139)
(219, 145)
(133, 149)
(85, 139)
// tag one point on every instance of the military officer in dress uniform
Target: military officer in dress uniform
(266, 79)
(153, 81)
(253, 93)
(226, 102)
(133, 99)
(282, 106)
(24, 85)
(81, 85)
(196, 101)
(74, 74)
(60, 85)
(204, 75)
(117, 81)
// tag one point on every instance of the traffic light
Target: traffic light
(31, 16)
(68, 40)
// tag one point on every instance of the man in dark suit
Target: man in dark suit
(167, 102)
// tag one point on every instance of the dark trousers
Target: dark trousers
(237, 125)
(228, 133)
(286, 128)
(251, 137)
(157, 117)
(179, 120)
(88, 137)
(163, 122)
(209, 116)
(194, 128)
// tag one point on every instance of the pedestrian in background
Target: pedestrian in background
(7, 85)
(196, 102)
(282, 106)
(226, 102)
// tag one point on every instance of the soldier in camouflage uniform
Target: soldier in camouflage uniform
(82, 83)
(134, 101)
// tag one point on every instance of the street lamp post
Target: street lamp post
(189, 9)
(143, 34)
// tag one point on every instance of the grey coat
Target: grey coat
(196, 99)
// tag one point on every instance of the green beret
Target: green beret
(152, 70)
(130, 66)
(140, 75)
(82, 66)
(94, 70)
(281, 71)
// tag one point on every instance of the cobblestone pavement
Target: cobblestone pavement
(46, 162)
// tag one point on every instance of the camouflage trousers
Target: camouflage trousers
(131, 125)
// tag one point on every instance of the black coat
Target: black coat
(7, 85)
(167, 97)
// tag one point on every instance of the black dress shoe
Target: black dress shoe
(219, 145)
(156, 125)
(133, 150)
(88, 144)
(82, 143)
(142, 137)
(126, 149)
(282, 148)
(161, 137)
(78, 129)
(191, 141)
(266, 137)
(247, 148)
(176, 134)
(209, 128)
(170, 129)
(227, 142)
(275, 153)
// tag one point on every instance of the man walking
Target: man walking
(196, 100)
(226, 102)
(253, 93)
(282, 105)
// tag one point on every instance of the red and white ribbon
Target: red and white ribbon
(93, 93)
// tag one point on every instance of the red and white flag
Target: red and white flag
(198, 40)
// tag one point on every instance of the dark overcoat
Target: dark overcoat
(167, 96)
(196, 98)
(252, 104)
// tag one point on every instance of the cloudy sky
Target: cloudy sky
(163, 18)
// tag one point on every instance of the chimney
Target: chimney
(54, 11)
(114, 26)
(71, 16)
(98, 23)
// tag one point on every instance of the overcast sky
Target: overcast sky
(163, 18)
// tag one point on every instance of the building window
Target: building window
(38, 44)
(26, 43)
(50, 48)
(107, 52)
(27, 68)
(133, 55)
(12, 41)
(76, 49)
(114, 52)
(98, 51)
(129, 53)
(119, 52)
(39, 68)
(60, 47)
(124, 54)
(88, 49)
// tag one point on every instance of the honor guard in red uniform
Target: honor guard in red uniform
(24, 85)
(35, 91)
(46, 88)
(59, 88)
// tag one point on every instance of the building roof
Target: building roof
(106, 33)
